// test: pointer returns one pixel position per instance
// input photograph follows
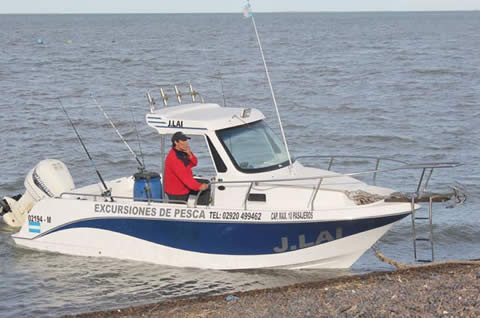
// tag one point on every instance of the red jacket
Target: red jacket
(178, 178)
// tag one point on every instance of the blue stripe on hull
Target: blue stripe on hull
(233, 238)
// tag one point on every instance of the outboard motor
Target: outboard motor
(49, 178)
(148, 186)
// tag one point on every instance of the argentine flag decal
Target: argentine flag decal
(34, 227)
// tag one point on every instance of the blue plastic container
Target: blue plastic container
(148, 186)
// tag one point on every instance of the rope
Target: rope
(362, 197)
(400, 265)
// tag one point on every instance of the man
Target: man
(179, 181)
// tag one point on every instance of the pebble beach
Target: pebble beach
(444, 290)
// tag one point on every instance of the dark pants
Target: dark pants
(204, 198)
(181, 197)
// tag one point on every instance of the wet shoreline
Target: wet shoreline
(451, 290)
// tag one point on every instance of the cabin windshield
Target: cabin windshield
(254, 147)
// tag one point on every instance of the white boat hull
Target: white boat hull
(174, 235)
(336, 254)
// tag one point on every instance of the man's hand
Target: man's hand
(186, 149)
(203, 187)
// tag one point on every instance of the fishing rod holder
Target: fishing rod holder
(151, 101)
(177, 93)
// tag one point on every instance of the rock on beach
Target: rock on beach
(448, 290)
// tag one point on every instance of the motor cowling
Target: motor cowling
(49, 178)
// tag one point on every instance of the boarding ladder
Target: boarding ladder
(423, 217)
(422, 195)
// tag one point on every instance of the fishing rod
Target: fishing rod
(107, 192)
(248, 14)
(141, 165)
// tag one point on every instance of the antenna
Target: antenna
(107, 192)
(217, 75)
(223, 92)
(141, 165)
(248, 14)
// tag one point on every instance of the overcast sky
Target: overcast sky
(171, 6)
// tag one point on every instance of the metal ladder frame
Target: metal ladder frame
(416, 239)
(423, 239)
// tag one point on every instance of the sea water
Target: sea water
(400, 85)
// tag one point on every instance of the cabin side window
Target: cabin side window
(219, 164)
(200, 149)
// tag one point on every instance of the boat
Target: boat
(262, 211)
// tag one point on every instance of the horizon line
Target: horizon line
(239, 12)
